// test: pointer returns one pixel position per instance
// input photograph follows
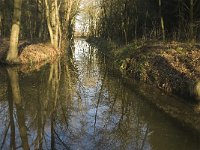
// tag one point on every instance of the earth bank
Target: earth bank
(173, 67)
(30, 53)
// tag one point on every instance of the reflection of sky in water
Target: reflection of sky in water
(89, 76)
(95, 111)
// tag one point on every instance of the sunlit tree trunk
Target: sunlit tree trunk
(70, 10)
(53, 22)
(125, 22)
(161, 20)
(14, 37)
(68, 7)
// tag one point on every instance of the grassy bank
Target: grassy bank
(170, 66)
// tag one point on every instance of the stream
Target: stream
(81, 103)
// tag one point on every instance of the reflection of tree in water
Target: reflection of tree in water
(43, 105)
(120, 122)
(14, 98)
(57, 109)
(135, 124)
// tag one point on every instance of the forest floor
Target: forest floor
(173, 66)
(30, 53)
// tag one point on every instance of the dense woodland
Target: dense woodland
(80, 99)
(118, 20)
(35, 15)
(36, 20)
(126, 20)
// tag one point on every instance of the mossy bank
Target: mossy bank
(170, 66)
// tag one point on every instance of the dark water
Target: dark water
(80, 103)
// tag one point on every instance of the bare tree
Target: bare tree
(161, 20)
(14, 37)
(53, 22)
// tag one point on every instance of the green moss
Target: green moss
(125, 51)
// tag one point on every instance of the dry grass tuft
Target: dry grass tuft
(37, 53)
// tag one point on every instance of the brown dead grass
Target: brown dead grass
(37, 53)
(173, 67)
(184, 58)
(31, 54)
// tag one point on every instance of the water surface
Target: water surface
(80, 103)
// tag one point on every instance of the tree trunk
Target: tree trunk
(67, 12)
(12, 56)
(1, 18)
(180, 21)
(161, 20)
(192, 20)
(53, 22)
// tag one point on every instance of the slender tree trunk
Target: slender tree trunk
(1, 18)
(192, 20)
(135, 32)
(161, 20)
(53, 22)
(48, 21)
(69, 9)
(65, 24)
(14, 37)
(180, 21)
